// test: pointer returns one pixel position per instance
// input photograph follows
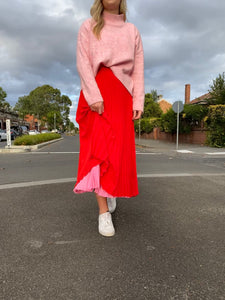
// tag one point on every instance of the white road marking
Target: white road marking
(141, 153)
(179, 175)
(184, 151)
(215, 153)
(36, 152)
(35, 183)
(149, 153)
(68, 180)
(138, 153)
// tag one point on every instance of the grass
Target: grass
(27, 140)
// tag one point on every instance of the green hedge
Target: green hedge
(215, 121)
(35, 139)
(146, 125)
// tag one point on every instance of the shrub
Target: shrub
(151, 108)
(217, 90)
(155, 122)
(169, 121)
(26, 140)
(215, 121)
(193, 114)
(146, 126)
(189, 117)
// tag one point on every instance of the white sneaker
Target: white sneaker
(105, 224)
(111, 204)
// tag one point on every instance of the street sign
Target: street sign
(8, 132)
(178, 106)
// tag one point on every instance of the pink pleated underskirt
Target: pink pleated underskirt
(91, 182)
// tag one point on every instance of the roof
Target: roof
(9, 112)
(164, 105)
(201, 100)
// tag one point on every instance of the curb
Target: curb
(143, 146)
(22, 149)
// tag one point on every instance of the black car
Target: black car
(14, 134)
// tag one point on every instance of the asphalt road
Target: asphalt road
(169, 241)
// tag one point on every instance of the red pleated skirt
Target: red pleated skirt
(107, 160)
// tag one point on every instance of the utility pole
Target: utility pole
(55, 121)
(139, 129)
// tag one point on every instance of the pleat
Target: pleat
(108, 140)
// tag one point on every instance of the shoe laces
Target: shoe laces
(107, 219)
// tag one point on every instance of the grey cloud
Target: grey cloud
(183, 43)
(182, 40)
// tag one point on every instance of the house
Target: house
(33, 122)
(12, 116)
(202, 100)
(164, 105)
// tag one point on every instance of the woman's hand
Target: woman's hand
(98, 107)
(136, 114)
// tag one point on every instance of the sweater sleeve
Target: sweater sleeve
(88, 83)
(138, 74)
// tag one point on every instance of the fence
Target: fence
(196, 136)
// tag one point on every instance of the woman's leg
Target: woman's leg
(102, 204)
(105, 224)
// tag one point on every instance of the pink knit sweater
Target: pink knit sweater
(120, 48)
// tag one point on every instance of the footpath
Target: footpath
(169, 147)
(20, 149)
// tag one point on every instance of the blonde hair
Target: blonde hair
(97, 11)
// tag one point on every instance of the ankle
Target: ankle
(103, 211)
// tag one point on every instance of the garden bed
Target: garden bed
(27, 140)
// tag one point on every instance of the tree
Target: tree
(4, 105)
(54, 120)
(194, 114)
(44, 102)
(215, 122)
(44, 99)
(154, 95)
(23, 106)
(151, 108)
(71, 127)
(217, 90)
(65, 108)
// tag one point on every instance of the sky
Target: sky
(184, 43)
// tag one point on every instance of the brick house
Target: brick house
(13, 117)
(34, 123)
(202, 100)
(164, 105)
(196, 136)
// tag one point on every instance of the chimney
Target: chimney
(159, 97)
(187, 93)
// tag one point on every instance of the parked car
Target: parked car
(3, 135)
(55, 130)
(23, 129)
(33, 132)
(14, 134)
(45, 131)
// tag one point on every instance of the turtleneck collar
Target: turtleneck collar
(113, 19)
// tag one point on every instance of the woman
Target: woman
(111, 68)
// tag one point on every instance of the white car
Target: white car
(3, 135)
(33, 132)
